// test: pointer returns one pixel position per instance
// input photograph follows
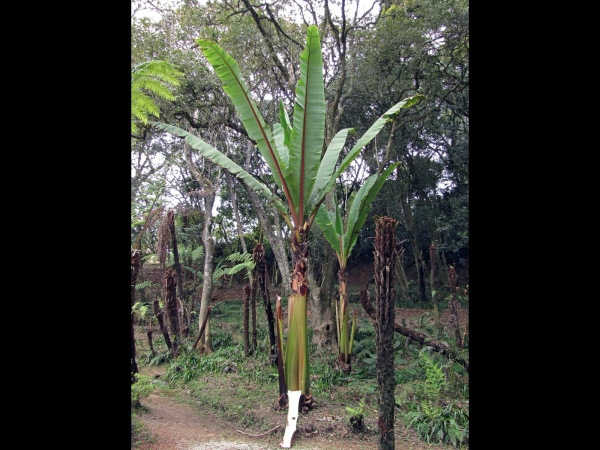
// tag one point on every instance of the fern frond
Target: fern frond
(197, 253)
(249, 265)
(153, 77)
(144, 284)
(243, 257)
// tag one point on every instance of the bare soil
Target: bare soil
(176, 421)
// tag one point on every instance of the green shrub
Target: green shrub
(356, 416)
(436, 419)
(143, 387)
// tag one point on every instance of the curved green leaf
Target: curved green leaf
(360, 208)
(327, 165)
(211, 153)
(368, 137)
(282, 149)
(228, 71)
(328, 221)
(306, 140)
(285, 122)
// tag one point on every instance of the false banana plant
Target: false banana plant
(331, 223)
(293, 152)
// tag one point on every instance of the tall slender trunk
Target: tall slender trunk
(208, 193)
(246, 319)
(436, 309)
(183, 318)
(386, 253)
(452, 305)
(205, 344)
(170, 293)
(135, 267)
(161, 323)
(150, 344)
(176, 263)
(344, 339)
(260, 267)
(253, 305)
(408, 223)
(323, 302)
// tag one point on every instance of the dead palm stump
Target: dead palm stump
(386, 252)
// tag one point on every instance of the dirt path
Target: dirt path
(178, 426)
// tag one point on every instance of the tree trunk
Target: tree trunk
(176, 263)
(404, 193)
(209, 193)
(161, 323)
(253, 305)
(436, 309)
(246, 319)
(452, 306)
(386, 255)
(344, 339)
(135, 267)
(183, 318)
(150, 344)
(323, 303)
(170, 293)
(205, 345)
(260, 268)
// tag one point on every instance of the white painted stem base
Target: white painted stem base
(292, 418)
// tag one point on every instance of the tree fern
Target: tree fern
(144, 284)
(152, 77)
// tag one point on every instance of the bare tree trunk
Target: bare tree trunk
(176, 263)
(253, 304)
(150, 344)
(161, 323)
(436, 309)
(185, 323)
(258, 256)
(386, 253)
(135, 267)
(323, 302)
(207, 286)
(452, 306)
(404, 193)
(208, 193)
(246, 319)
(170, 293)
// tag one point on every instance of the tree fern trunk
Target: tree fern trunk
(386, 252)
(453, 308)
(135, 267)
(161, 323)
(170, 291)
(246, 319)
(261, 278)
(436, 309)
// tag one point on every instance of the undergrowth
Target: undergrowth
(431, 390)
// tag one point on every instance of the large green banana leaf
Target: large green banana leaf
(211, 153)
(330, 222)
(228, 71)
(308, 127)
(364, 140)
